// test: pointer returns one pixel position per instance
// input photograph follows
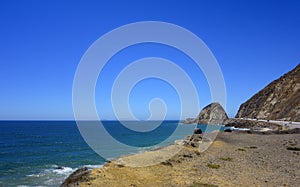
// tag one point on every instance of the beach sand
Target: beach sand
(234, 159)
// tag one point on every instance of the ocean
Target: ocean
(44, 153)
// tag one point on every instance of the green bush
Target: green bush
(253, 147)
(226, 159)
(214, 166)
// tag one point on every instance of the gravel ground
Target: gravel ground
(234, 159)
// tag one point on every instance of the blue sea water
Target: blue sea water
(44, 153)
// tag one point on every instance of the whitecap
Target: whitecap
(36, 175)
(63, 170)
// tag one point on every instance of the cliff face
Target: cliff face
(212, 114)
(279, 100)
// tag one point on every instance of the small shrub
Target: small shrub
(167, 163)
(187, 156)
(197, 153)
(226, 159)
(214, 166)
(241, 149)
(293, 148)
(253, 147)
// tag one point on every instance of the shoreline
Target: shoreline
(269, 146)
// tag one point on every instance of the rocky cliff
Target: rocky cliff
(212, 114)
(279, 100)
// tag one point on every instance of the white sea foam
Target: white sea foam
(52, 176)
(238, 129)
(93, 166)
(63, 170)
(55, 175)
(29, 186)
(54, 170)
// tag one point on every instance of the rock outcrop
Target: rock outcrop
(193, 140)
(251, 124)
(189, 121)
(80, 175)
(212, 114)
(280, 100)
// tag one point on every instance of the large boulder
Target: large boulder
(197, 131)
(212, 114)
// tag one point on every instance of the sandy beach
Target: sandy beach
(234, 159)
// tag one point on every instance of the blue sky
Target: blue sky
(42, 43)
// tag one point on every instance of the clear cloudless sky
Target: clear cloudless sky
(42, 42)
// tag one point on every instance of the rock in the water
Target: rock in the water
(197, 131)
(212, 114)
(279, 100)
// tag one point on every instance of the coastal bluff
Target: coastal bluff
(280, 100)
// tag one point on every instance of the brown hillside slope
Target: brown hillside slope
(279, 100)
